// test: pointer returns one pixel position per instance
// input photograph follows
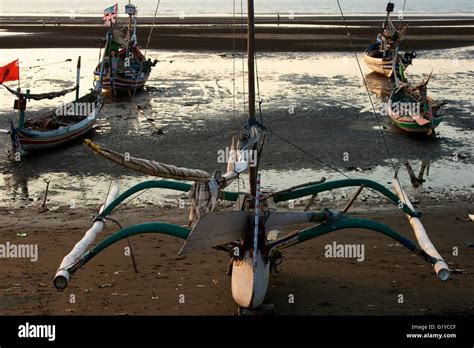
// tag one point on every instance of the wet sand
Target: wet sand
(320, 285)
(209, 33)
(193, 107)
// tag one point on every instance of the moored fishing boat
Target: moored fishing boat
(380, 55)
(412, 110)
(123, 67)
(56, 126)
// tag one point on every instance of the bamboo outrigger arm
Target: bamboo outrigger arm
(343, 223)
(440, 266)
(61, 280)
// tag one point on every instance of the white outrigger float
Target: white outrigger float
(244, 232)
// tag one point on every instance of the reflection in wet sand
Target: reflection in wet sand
(16, 186)
(417, 181)
(378, 84)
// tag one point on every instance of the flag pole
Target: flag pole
(78, 77)
(21, 112)
(111, 78)
(19, 91)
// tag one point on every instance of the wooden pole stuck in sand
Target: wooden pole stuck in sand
(441, 267)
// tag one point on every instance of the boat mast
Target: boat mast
(389, 9)
(109, 43)
(129, 34)
(251, 85)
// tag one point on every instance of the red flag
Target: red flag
(10, 72)
(110, 13)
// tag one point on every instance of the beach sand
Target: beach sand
(320, 285)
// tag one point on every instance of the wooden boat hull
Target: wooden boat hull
(380, 66)
(121, 84)
(408, 123)
(377, 63)
(124, 79)
(31, 139)
(412, 127)
(34, 140)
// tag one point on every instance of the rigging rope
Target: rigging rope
(322, 161)
(402, 14)
(152, 27)
(132, 96)
(233, 61)
(271, 131)
(41, 65)
(367, 89)
(41, 96)
(308, 153)
(260, 101)
(374, 112)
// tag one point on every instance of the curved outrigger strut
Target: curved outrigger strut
(326, 220)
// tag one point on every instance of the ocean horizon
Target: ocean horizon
(191, 8)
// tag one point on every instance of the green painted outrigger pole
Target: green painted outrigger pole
(302, 236)
(183, 232)
(299, 237)
(233, 196)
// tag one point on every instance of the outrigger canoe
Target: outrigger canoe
(57, 126)
(52, 128)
